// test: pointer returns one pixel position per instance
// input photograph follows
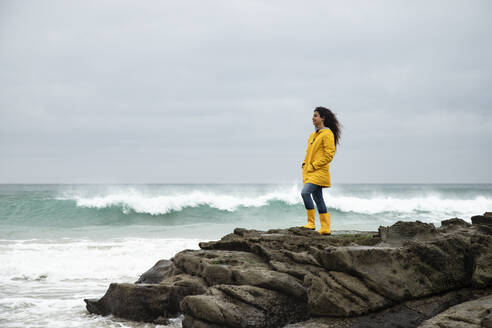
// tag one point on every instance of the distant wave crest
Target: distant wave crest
(434, 204)
(162, 204)
(140, 202)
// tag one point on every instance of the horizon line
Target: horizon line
(226, 183)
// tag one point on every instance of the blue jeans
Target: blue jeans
(317, 192)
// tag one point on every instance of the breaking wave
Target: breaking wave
(138, 202)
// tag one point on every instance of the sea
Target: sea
(60, 244)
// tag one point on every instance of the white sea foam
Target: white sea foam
(68, 260)
(140, 202)
(162, 204)
(433, 204)
(44, 282)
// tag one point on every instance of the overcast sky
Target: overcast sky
(223, 91)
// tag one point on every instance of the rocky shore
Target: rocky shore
(410, 274)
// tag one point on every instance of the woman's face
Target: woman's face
(317, 120)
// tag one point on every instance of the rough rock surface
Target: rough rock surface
(409, 314)
(403, 275)
(147, 302)
(471, 314)
(160, 271)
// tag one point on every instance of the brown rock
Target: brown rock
(482, 219)
(472, 314)
(404, 275)
(215, 266)
(147, 302)
(402, 231)
(217, 308)
(160, 271)
(341, 295)
(401, 273)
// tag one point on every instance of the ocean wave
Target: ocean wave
(139, 202)
(68, 260)
(431, 203)
(136, 201)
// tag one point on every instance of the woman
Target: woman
(316, 165)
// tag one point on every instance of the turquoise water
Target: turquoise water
(100, 211)
(60, 244)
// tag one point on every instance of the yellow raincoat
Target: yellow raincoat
(319, 153)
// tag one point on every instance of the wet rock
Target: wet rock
(220, 309)
(147, 302)
(471, 314)
(485, 219)
(217, 266)
(487, 321)
(270, 279)
(135, 302)
(400, 277)
(402, 231)
(483, 222)
(341, 295)
(481, 246)
(453, 224)
(401, 273)
(252, 307)
(160, 271)
(296, 270)
(191, 322)
(409, 314)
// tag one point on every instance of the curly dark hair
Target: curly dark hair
(331, 122)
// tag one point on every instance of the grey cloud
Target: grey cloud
(186, 90)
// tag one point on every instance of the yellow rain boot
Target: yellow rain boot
(311, 214)
(325, 224)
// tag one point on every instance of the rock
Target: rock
(272, 280)
(402, 231)
(482, 219)
(162, 321)
(454, 223)
(484, 222)
(271, 302)
(147, 302)
(135, 302)
(471, 314)
(220, 309)
(160, 271)
(401, 273)
(409, 314)
(216, 266)
(404, 275)
(296, 270)
(487, 321)
(341, 295)
(242, 306)
(191, 322)
(481, 246)
(433, 305)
